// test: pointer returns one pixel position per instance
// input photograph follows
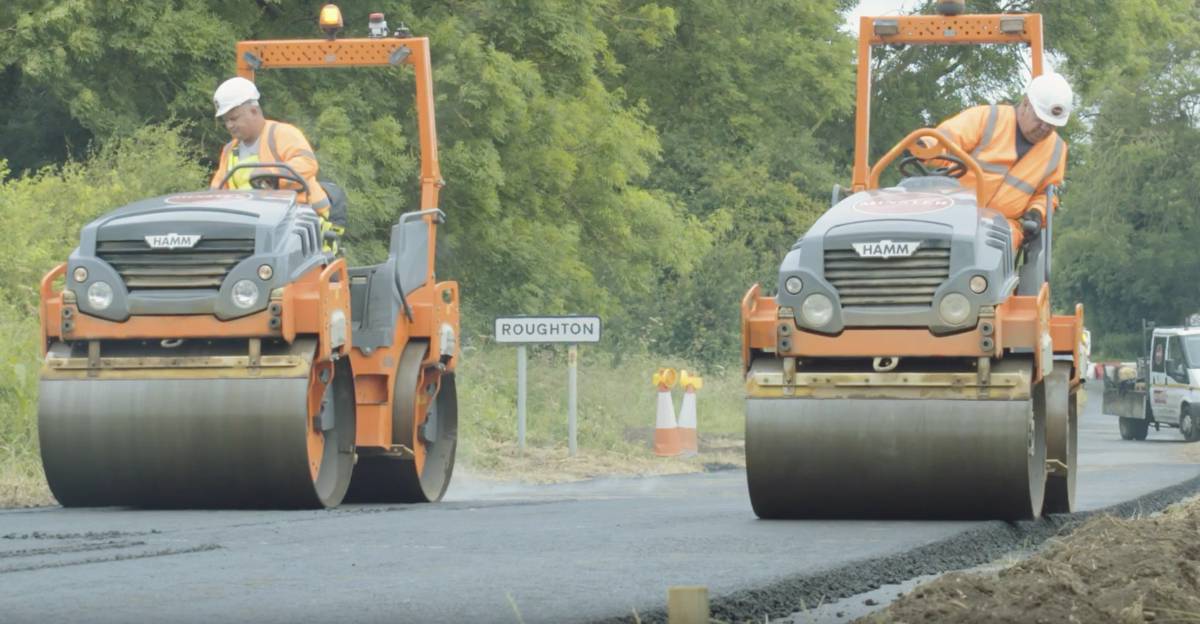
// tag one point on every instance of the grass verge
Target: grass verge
(22, 483)
(615, 416)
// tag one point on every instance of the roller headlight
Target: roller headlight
(245, 294)
(793, 285)
(265, 272)
(80, 274)
(954, 308)
(817, 310)
(978, 284)
(100, 295)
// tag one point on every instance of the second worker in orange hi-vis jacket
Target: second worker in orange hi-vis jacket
(1018, 150)
(257, 139)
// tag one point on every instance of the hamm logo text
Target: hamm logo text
(886, 249)
(173, 241)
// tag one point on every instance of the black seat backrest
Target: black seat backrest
(339, 204)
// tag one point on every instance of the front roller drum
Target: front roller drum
(884, 458)
(167, 440)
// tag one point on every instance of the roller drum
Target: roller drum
(1062, 432)
(171, 442)
(881, 458)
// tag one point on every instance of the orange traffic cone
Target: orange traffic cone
(688, 440)
(666, 431)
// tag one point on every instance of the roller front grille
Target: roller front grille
(909, 281)
(202, 266)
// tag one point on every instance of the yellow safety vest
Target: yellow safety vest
(241, 177)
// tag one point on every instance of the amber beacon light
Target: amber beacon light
(330, 20)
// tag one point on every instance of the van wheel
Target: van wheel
(1188, 425)
(1141, 428)
(1126, 425)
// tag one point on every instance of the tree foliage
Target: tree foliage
(1127, 244)
(647, 160)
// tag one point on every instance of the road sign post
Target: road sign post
(521, 360)
(572, 397)
(569, 330)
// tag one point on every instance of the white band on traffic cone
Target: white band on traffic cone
(666, 430)
(688, 442)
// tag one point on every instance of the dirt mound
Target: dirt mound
(1108, 570)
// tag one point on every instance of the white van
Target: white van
(1164, 391)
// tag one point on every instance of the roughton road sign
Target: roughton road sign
(571, 330)
(543, 329)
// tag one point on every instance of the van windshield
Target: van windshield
(1191, 344)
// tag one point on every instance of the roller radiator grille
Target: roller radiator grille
(898, 281)
(203, 266)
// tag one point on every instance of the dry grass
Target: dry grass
(1109, 570)
(22, 484)
(505, 462)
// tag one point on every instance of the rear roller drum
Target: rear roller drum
(424, 421)
(1061, 412)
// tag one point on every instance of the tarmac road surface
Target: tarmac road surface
(577, 552)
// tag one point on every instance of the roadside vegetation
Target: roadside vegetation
(616, 416)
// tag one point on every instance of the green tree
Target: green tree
(741, 94)
(545, 157)
(1125, 246)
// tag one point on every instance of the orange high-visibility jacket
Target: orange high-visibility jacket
(279, 142)
(989, 134)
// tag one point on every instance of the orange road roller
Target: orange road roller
(909, 364)
(203, 349)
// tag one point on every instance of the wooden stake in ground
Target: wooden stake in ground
(687, 605)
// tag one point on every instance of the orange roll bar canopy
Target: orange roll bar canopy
(383, 52)
(1024, 28)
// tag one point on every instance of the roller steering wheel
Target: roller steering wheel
(910, 166)
(270, 179)
(265, 181)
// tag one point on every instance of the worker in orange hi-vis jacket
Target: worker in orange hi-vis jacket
(258, 139)
(1018, 150)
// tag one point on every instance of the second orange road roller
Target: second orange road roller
(909, 364)
(204, 349)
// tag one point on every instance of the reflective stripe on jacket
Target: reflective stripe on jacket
(282, 143)
(989, 134)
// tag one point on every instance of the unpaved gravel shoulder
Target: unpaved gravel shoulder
(1143, 569)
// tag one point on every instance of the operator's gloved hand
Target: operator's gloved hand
(331, 235)
(1031, 224)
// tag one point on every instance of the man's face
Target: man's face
(243, 122)
(1032, 126)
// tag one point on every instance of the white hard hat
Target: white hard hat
(234, 92)
(1051, 98)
